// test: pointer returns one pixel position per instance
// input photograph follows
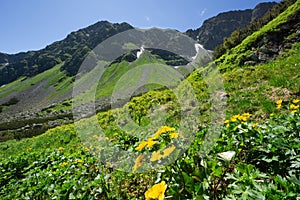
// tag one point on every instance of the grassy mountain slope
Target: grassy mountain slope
(47, 95)
(56, 163)
(283, 29)
(255, 157)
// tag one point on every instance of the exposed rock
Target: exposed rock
(213, 30)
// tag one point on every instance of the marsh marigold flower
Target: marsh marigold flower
(163, 129)
(279, 102)
(296, 101)
(294, 107)
(151, 142)
(141, 146)
(234, 118)
(293, 111)
(254, 125)
(173, 135)
(157, 134)
(157, 191)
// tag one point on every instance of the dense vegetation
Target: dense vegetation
(255, 154)
(251, 160)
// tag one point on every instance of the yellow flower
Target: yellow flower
(242, 118)
(254, 125)
(296, 101)
(155, 156)
(141, 146)
(233, 119)
(64, 164)
(168, 151)
(293, 111)
(272, 114)
(151, 142)
(278, 106)
(173, 135)
(279, 102)
(165, 129)
(157, 134)
(78, 161)
(138, 162)
(247, 114)
(60, 148)
(226, 121)
(157, 191)
(294, 107)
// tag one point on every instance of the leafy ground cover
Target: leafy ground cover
(252, 159)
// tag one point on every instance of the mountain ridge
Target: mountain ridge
(212, 32)
(76, 45)
(72, 49)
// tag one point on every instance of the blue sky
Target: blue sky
(33, 24)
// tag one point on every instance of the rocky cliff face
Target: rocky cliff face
(273, 43)
(213, 30)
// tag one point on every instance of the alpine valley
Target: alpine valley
(253, 153)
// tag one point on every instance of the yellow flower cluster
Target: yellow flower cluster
(78, 161)
(243, 118)
(163, 129)
(141, 146)
(157, 191)
(173, 135)
(151, 141)
(255, 125)
(278, 104)
(296, 101)
(294, 107)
